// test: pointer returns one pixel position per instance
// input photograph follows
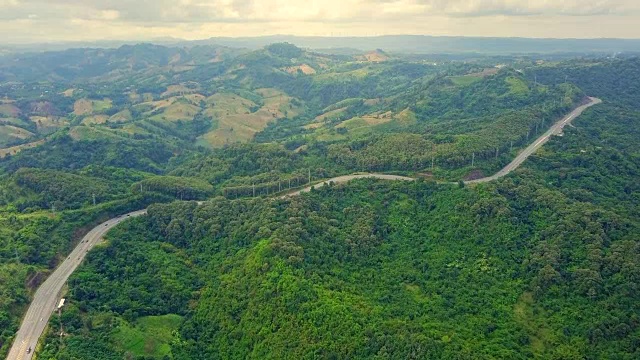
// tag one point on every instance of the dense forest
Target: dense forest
(540, 264)
(380, 270)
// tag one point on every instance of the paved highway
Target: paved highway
(347, 178)
(46, 297)
(556, 129)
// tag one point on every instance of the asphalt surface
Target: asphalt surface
(347, 178)
(47, 296)
(556, 129)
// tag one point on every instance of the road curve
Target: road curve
(347, 178)
(46, 297)
(556, 129)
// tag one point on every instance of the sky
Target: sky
(33, 21)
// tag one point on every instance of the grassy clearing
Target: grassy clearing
(177, 90)
(122, 116)
(95, 119)
(539, 335)
(49, 124)
(332, 114)
(236, 122)
(87, 106)
(304, 69)
(14, 121)
(517, 86)
(354, 126)
(10, 132)
(69, 92)
(355, 74)
(177, 111)
(16, 149)
(9, 110)
(148, 336)
(465, 80)
(365, 121)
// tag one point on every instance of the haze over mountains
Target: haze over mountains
(505, 239)
(414, 44)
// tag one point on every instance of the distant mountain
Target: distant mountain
(408, 44)
(84, 63)
(419, 44)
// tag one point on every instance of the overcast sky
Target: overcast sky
(63, 20)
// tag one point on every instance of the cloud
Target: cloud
(109, 15)
(203, 11)
(203, 18)
(535, 7)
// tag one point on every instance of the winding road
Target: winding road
(46, 297)
(556, 129)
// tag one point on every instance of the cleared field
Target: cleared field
(87, 106)
(134, 128)
(177, 108)
(360, 125)
(68, 92)
(16, 149)
(122, 116)
(15, 132)
(95, 119)
(177, 90)
(9, 110)
(148, 336)
(373, 56)
(14, 121)
(236, 122)
(221, 104)
(465, 80)
(365, 121)
(49, 124)
(10, 134)
(330, 114)
(313, 126)
(517, 86)
(177, 111)
(356, 74)
(304, 68)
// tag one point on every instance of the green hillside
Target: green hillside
(540, 264)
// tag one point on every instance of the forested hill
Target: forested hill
(381, 270)
(364, 270)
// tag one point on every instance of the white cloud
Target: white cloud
(205, 18)
(109, 15)
(8, 3)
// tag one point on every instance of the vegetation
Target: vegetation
(368, 270)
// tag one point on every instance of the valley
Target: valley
(270, 231)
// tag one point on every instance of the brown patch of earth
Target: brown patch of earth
(474, 175)
(82, 107)
(304, 68)
(35, 280)
(44, 108)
